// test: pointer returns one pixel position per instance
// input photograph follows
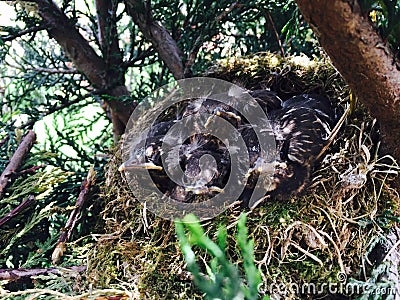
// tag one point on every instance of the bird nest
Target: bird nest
(330, 229)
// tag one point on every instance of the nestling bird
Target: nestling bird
(300, 125)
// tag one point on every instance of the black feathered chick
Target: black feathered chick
(300, 125)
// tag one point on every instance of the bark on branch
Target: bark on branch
(108, 39)
(16, 160)
(73, 43)
(26, 203)
(73, 217)
(16, 274)
(363, 59)
(87, 61)
(108, 35)
(158, 35)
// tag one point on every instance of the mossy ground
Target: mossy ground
(309, 238)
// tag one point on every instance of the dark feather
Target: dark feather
(301, 126)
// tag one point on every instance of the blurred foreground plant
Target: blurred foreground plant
(223, 280)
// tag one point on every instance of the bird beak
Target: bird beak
(229, 114)
(148, 166)
(203, 190)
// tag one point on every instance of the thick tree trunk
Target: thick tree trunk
(363, 59)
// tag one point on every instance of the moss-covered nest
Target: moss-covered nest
(311, 238)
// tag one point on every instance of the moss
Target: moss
(306, 239)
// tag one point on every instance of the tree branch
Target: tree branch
(87, 61)
(227, 11)
(363, 59)
(103, 14)
(108, 38)
(108, 35)
(72, 42)
(16, 160)
(44, 70)
(16, 274)
(54, 109)
(30, 170)
(52, 71)
(158, 35)
(26, 203)
(74, 217)
(10, 38)
(140, 57)
(278, 40)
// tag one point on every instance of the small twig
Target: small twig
(271, 21)
(53, 71)
(301, 224)
(27, 202)
(55, 109)
(227, 11)
(24, 68)
(339, 257)
(16, 160)
(15, 274)
(92, 294)
(38, 292)
(143, 55)
(44, 70)
(310, 255)
(124, 293)
(30, 170)
(23, 32)
(334, 132)
(391, 251)
(268, 252)
(193, 55)
(330, 221)
(73, 217)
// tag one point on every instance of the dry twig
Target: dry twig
(16, 160)
(27, 202)
(15, 274)
(74, 216)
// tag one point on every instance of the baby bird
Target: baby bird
(301, 127)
